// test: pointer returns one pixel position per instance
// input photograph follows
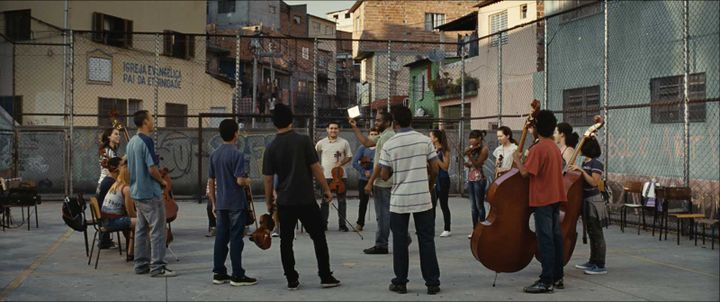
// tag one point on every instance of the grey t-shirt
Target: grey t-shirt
(289, 157)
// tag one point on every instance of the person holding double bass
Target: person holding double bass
(543, 166)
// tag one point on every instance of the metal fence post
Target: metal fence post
(389, 61)
(545, 64)
(686, 111)
(314, 92)
(238, 91)
(155, 87)
(606, 90)
(499, 79)
(461, 129)
(72, 111)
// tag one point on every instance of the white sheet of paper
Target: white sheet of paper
(354, 112)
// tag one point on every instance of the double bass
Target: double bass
(573, 182)
(504, 242)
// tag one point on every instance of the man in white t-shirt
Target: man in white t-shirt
(410, 158)
(334, 151)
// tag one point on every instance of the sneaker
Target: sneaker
(398, 288)
(293, 285)
(445, 234)
(329, 282)
(142, 271)
(359, 227)
(274, 234)
(470, 236)
(538, 288)
(211, 232)
(106, 245)
(584, 266)
(376, 250)
(242, 281)
(163, 273)
(596, 270)
(343, 229)
(433, 289)
(220, 278)
(560, 284)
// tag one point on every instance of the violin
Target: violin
(366, 162)
(337, 184)
(504, 241)
(261, 236)
(498, 164)
(573, 182)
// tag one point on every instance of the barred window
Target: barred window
(176, 115)
(580, 105)
(499, 22)
(667, 96)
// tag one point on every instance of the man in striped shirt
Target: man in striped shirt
(410, 157)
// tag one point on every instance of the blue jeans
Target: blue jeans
(425, 229)
(550, 242)
(230, 229)
(116, 224)
(382, 214)
(476, 189)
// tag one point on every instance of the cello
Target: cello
(504, 242)
(573, 182)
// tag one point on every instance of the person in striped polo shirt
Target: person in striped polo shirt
(410, 157)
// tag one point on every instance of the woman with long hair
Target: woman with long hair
(442, 185)
(566, 140)
(114, 211)
(476, 155)
(506, 147)
(109, 143)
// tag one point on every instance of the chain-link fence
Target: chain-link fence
(649, 68)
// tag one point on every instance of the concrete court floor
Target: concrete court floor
(49, 263)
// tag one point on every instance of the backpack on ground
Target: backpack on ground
(73, 213)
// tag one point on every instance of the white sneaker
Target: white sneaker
(470, 236)
(445, 234)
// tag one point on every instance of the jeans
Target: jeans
(230, 229)
(364, 198)
(425, 229)
(382, 214)
(550, 242)
(342, 208)
(594, 231)
(311, 219)
(477, 200)
(212, 222)
(117, 224)
(441, 192)
(150, 223)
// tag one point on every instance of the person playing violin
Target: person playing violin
(146, 190)
(227, 179)
(543, 166)
(362, 162)
(476, 155)
(292, 158)
(334, 152)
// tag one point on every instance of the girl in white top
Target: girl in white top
(109, 142)
(566, 140)
(507, 146)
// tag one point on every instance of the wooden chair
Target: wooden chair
(666, 194)
(95, 223)
(634, 188)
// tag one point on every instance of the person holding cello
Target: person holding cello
(334, 153)
(543, 166)
(227, 179)
(146, 190)
(594, 212)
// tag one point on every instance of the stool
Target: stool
(711, 223)
(632, 187)
(693, 227)
(672, 193)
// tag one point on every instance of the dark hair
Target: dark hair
(105, 137)
(591, 148)
(480, 134)
(571, 138)
(333, 123)
(228, 128)
(113, 164)
(386, 116)
(139, 117)
(442, 138)
(374, 129)
(282, 116)
(507, 132)
(545, 123)
(402, 115)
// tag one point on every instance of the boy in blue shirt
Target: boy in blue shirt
(227, 179)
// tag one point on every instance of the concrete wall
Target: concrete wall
(246, 13)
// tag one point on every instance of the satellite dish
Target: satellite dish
(436, 55)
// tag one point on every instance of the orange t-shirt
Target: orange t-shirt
(544, 163)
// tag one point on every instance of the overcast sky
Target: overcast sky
(320, 7)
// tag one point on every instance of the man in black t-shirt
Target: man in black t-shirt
(292, 157)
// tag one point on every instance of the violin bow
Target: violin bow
(346, 221)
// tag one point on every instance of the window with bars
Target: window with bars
(107, 107)
(178, 45)
(433, 20)
(499, 22)
(112, 30)
(580, 105)
(226, 6)
(17, 25)
(667, 97)
(176, 115)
